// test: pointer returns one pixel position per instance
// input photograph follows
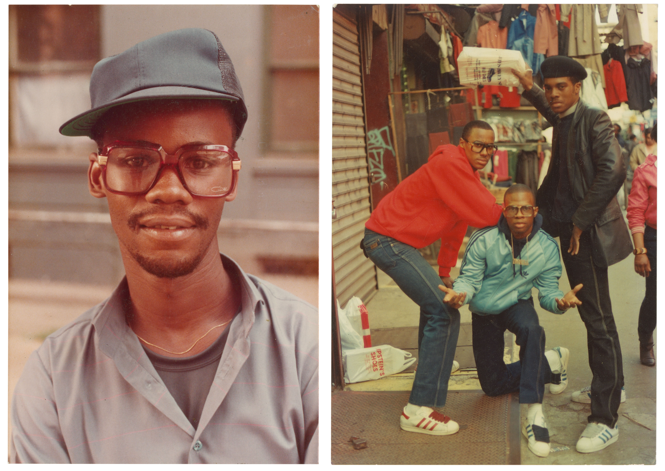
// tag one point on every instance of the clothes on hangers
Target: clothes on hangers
(594, 62)
(478, 20)
(615, 91)
(546, 36)
(637, 84)
(584, 37)
(592, 92)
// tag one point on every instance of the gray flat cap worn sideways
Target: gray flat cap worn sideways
(184, 64)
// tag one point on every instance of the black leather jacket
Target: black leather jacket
(596, 171)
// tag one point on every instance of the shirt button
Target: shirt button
(198, 445)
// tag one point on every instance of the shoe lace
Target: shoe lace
(439, 417)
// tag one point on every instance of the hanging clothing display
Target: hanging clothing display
(527, 169)
(525, 46)
(523, 25)
(564, 37)
(478, 20)
(637, 84)
(500, 163)
(490, 35)
(616, 53)
(592, 90)
(593, 62)
(457, 48)
(615, 91)
(510, 97)
(509, 12)
(520, 38)
(584, 37)
(546, 36)
(628, 28)
(446, 52)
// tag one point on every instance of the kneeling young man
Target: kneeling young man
(501, 266)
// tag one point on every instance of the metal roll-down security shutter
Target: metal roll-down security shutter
(354, 274)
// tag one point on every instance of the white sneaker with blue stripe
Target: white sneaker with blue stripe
(596, 437)
(558, 360)
(583, 396)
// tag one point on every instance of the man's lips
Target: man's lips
(166, 223)
(159, 221)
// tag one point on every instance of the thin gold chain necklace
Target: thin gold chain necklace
(189, 349)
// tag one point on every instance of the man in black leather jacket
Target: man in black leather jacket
(578, 202)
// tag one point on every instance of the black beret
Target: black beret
(562, 66)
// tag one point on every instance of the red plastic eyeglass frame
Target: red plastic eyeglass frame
(168, 160)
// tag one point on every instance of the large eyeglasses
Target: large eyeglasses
(204, 170)
(479, 146)
(511, 211)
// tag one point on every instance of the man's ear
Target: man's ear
(231, 196)
(95, 178)
(578, 87)
(535, 211)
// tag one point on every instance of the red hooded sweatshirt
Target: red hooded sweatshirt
(437, 201)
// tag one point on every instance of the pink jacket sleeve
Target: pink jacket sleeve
(638, 200)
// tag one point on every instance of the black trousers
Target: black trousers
(602, 337)
(647, 319)
(529, 375)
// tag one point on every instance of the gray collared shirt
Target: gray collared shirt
(90, 394)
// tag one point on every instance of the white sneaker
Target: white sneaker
(536, 432)
(427, 420)
(596, 437)
(558, 359)
(583, 396)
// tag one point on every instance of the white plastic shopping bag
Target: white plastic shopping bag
(485, 66)
(358, 317)
(350, 338)
(365, 364)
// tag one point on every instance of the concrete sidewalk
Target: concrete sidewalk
(390, 308)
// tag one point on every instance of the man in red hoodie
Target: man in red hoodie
(438, 201)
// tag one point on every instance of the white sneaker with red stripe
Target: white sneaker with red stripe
(427, 420)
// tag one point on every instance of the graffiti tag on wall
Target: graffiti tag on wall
(378, 141)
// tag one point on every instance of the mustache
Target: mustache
(199, 220)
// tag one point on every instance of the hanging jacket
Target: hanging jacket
(638, 74)
(615, 91)
(520, 38)
(523, 25)
(592, 91)
(492, 282)
(546, 36)
(584, 37)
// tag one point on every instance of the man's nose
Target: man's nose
(168, 188)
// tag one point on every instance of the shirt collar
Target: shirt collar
(569, 111)
(111, 328)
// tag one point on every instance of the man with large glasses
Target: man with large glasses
(437, 201)
(578, 201)
(501, 266)
(190, 360)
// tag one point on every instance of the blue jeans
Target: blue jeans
(439, 324)
(647, 319)
(527, 376)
